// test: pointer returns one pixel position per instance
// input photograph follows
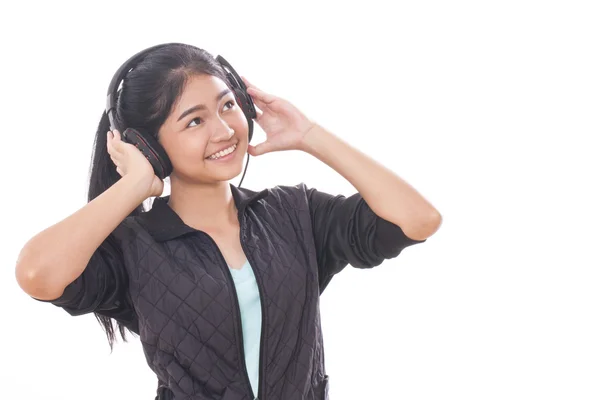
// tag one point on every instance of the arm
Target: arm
(347, 231)
(102, 287)
(390, 197)
(57, 256)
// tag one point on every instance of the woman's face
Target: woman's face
(205, 125)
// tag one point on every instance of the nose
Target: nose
(222, 132)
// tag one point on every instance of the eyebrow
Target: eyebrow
(202, 106)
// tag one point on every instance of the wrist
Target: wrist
(138, 186)
(317, 141)
(310, 140)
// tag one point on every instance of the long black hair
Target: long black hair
(148, 94)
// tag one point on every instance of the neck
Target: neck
(205, 207)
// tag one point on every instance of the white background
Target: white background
(489, 109)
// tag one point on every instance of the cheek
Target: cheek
(241, 124)
(187, 149)
(193, 149)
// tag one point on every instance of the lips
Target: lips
(223, 152)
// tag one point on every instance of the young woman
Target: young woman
(221, 283)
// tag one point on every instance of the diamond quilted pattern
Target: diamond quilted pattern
(183, 299)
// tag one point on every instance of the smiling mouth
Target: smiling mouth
(222, 153)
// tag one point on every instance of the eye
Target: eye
(232, 104)
(197, 120)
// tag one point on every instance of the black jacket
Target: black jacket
(170, 284)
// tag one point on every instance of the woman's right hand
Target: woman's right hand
(130, 161)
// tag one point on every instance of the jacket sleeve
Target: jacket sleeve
(347, 231)
(102, 287)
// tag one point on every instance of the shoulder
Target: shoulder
(289, 195)
(298, 189)
(127, 231)
(282, 201)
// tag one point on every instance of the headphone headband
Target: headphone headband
(233, 77)
(111, 95)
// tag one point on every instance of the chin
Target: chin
(226, 176)
(226, 171)
(214, 174)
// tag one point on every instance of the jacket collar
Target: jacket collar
(164, 224)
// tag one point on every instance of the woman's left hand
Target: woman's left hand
(284, 125)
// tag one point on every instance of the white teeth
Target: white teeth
(223, 153)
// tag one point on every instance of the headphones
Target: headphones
(146, 142)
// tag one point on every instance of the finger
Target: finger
(115, 161)
(259, 95)
(108, 140)
(247, 83)
(258, 102)
(110, 148)
(116, 142)
(259, 113)
(260, 149)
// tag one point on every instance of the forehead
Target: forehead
(199, 89)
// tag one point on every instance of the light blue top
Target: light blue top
(247, 291)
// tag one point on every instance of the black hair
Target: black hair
(147, 96)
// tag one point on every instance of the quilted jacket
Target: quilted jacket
(170, 284)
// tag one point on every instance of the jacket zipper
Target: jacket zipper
(263, 313)
(238, 317)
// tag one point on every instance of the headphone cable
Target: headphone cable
(245, 168)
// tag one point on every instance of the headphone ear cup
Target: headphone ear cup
(151, 149)
(245, 101)
(250, 128)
